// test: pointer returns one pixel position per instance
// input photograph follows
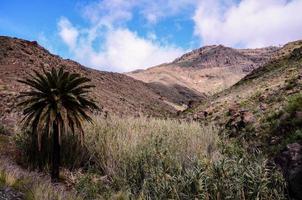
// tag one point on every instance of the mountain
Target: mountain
(206, 70)
(116, 93)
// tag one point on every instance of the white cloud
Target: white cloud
(251, 23)
(107, 43)
(68, 33)
(110, 12)
(121, 49)
(126, 51)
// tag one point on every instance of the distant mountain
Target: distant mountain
(116, 93)
(207, 70)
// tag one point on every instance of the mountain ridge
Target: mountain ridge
(206, 70)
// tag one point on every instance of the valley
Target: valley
(216, 123)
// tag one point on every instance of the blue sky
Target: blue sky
(123, 35)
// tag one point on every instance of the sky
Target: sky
(124, 35)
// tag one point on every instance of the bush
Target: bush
(236, 177)
(247, 177)
(73, 154)
(286, 124)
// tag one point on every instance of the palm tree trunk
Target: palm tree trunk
(55, 154)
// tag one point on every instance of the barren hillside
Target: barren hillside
(116, 93)
(206, 70)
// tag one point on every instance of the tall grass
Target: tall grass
(116, 139)
(142, 158)
(147, 158)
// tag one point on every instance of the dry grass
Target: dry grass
(8, 179)
(113, 139)
(45, 191)
(33, 185)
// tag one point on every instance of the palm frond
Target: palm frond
(56, 97)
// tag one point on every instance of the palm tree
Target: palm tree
(57, 104)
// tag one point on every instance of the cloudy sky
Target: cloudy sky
(123, 35)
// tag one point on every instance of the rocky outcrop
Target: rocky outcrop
(290, 161)
(238, 119)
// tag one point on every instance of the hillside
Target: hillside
(207, 70)
(260, 90)
(116, 93)
(263, 111)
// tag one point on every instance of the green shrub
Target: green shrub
(294, 104)
(287, 119)
(286, 124)
(246, 177)
(148, 177)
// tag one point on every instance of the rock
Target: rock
(233, 109)
(290, 161)
(296, 54)
(239, 119)
(247, 117)
(263, 106)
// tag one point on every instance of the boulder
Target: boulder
(239, 119)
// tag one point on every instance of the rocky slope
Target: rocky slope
(280, 76)
(116, 93)
(264, 111)
(203, 71)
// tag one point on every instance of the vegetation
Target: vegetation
(166, 159)
(286, 123)
(31, 188)
(3, 129)
(56, 105)
(73, 155)
(146, 158)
